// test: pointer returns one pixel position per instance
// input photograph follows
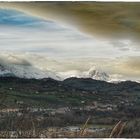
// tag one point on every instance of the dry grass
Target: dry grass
(117, 130)
(26, 127)
(84, 127)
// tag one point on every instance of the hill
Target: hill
(70, 91)
(52, 103)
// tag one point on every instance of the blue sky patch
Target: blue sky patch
(15, 18)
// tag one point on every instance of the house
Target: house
(62, 110)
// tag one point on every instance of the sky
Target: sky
(49, 44)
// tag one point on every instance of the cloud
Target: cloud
(105, 19)
(62, 48)
(123, 45)
(12, 59)
(54, 39)
(131, 66)
(118, 68)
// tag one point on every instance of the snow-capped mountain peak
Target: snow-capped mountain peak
(29, 71)
(91, 73)
(25, 71)
(98, 74)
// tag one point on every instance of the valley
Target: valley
(48, 103)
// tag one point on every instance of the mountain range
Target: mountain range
(91, 80)
(72, 84)
(30, 72)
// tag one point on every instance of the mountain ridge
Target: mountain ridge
(30, 72)
(81, 84)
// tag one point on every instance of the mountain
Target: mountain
(93, 73)
(73, 85)
(98, 75)
(89, 84)
(28, 71)
(25, 71)
(69, 92)
(5, 73)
